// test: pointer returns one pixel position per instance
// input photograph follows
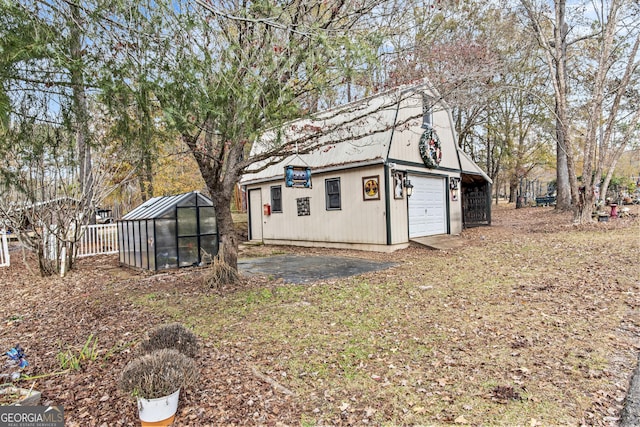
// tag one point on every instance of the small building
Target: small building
(383, 171)
(169, 232)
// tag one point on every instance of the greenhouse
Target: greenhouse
(169, 232)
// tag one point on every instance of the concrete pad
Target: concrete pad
(630, 416)
(442, 242)
(308, 269)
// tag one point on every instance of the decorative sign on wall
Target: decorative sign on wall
(430, 148)
(398, 190)
(297, 176)
(454, 188)
(371, 187)
(304, 207)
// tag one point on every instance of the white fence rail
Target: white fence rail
(4, 250)
(99, 239)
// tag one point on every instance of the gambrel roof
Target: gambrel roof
(356, 134)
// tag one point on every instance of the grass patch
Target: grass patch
(444, 337)
(73, 359)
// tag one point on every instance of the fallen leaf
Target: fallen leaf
(461, 420)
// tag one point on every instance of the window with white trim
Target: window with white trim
(276, 198)
(332, 189)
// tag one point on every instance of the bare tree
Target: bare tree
(602, 50)
(47, 73)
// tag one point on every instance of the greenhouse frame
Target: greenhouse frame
(169, 232)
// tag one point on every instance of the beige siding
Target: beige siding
(405, 146)
(358, 221)
(398, 215)
(363, 224)
(406, 138)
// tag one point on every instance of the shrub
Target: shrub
(158, 374)
(173, 335)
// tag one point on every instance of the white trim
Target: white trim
(5, 259)
(369, 247)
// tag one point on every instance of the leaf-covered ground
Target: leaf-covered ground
(534, 321)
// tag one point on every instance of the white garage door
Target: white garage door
(427, 207)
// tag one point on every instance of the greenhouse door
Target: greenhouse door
(188, 247)
(255, 215)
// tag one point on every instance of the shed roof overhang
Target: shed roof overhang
(469, 167)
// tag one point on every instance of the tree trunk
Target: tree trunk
(81, 110)
(586, 205)
(563, 189)
(513, 190)
(227, 235)
(607, 180)
(221, 190)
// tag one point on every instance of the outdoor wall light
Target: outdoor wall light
(408, 186)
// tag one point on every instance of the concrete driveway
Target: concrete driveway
(308, 269)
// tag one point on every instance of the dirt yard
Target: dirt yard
(534, 322)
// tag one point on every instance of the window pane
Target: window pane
(208, 221)
(187, 222)
(136, 233)
(121, 240)
(151, 242)
(209, 246)
(332, 187)
(130, 251)
(188, 251)
(143, 244)
(166, 249)
(189, 201)
(276, 199)
(427, 113)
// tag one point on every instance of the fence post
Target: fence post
(5, 259)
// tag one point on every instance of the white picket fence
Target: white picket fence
(4, 250)
(99, 239)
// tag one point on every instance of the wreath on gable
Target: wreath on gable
(430, 148)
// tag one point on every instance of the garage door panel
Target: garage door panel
(427, 207)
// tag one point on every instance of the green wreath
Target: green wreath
(430, 148)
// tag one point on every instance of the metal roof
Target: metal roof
(360, 134)
(468, 166)
(357, 134)
(158, 207)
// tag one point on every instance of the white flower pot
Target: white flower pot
(160, 411)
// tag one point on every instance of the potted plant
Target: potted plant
(155, 380)
(172, 335)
